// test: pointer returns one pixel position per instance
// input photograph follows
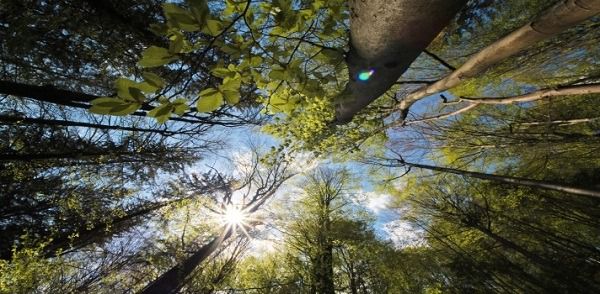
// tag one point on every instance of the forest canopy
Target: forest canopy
(292, 146)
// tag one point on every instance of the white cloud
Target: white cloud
(403, 234)
(377, 202)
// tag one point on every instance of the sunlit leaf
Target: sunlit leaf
(210, 100)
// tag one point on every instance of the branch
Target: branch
(438, 59)
(537, 95)
(436, 117)
(553, 21)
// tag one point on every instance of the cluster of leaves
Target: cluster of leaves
(285, 51)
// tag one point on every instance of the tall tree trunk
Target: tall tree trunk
(384, 39)
(323, 270)
(510, 180)
(86, 235)
(175, 278)
(75, 155)
(53, 95)
(556, 19)
(16, 120)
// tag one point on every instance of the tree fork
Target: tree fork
(556, 19)
(383, 40)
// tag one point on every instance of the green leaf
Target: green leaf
(232, 97)
(156, 56)
(256, 61)
(277, 74)
(122, 85)
(137, 95)
(146, 87)
(124, 89)
(221, 72)
(213, 27)
(153, 79)
(176, 44)
(199, 9)
(180, 106)
(232, 83)
(180, 18)
(210, 100)
(332, 56)
(113, 106)
(161, 113)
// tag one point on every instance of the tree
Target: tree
(260, 183)
(486, 237)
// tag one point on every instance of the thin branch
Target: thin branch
(439, 59)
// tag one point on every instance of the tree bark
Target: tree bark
(174, 279)
(556, 19)
(386, 36)
(510, 180)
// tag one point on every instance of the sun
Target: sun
(234, 216)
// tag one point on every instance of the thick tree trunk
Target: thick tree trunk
(553, 21)
(510, 180)
(386, 36)
(174, 279)
(323, 270)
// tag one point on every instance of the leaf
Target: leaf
(153, 79)
(199, 9)
(113, 106)
(232, 83)
(277, 74)
(156, 56)
(180, 106)
(137, 95)
(210, 100)
(232, 97)
(122, 86)
(220, 72)
(124, 89)
(256, 61)
(161, 113)
(213, 27)
(180, 18)
(176, 44)
(146, 87)
(332, 56)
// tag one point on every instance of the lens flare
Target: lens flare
(234, 216)
(365, 75)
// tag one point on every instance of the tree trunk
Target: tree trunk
(15, 120)
(383, 38)
(174, 279)
(553, 21)
(86, 236)
(53, 95)
(510, 180)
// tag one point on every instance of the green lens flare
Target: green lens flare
(365, 75)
